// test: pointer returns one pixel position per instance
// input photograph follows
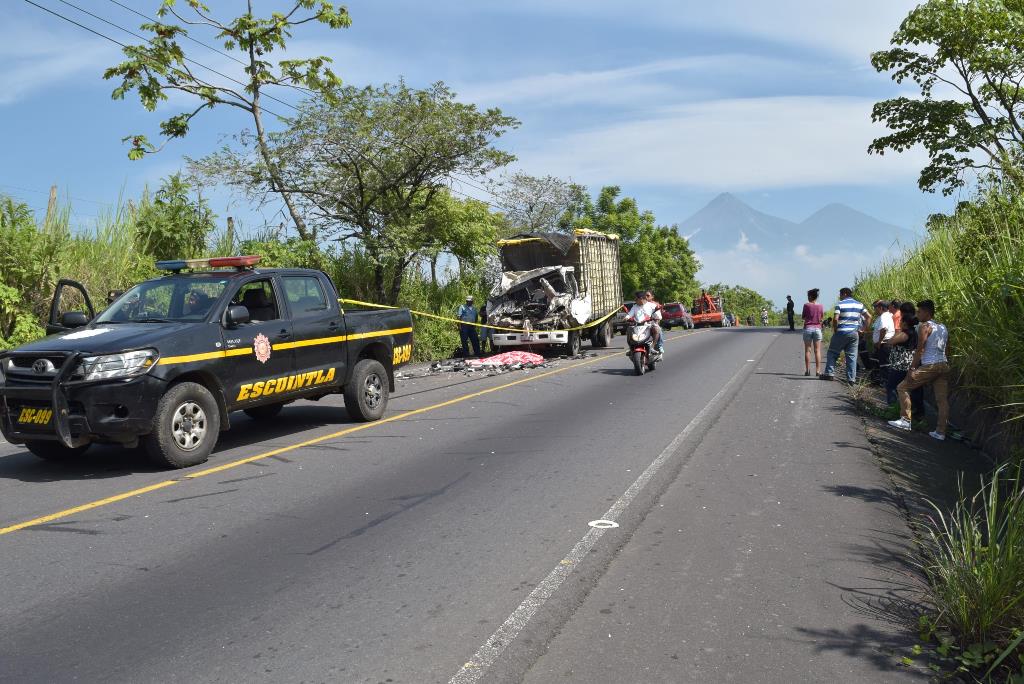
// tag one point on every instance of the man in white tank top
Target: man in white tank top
(929, 367)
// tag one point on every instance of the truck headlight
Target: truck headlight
(108, 366)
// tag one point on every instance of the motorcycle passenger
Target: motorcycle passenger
(642, 310)
(658, 339)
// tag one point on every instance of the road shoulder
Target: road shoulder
(776, 555)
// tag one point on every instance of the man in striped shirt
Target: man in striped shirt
(848, 320)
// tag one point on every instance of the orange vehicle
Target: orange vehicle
(707, 311)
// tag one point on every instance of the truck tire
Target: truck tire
(54, 451)
(574, 345)
(185, 427)
(366, 393)
(602, 336)
(638, 363)
(264, 412)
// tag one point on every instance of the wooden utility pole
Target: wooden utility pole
(231, 235)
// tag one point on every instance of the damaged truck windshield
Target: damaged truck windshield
(552, 286)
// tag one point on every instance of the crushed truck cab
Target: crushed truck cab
(169, 361)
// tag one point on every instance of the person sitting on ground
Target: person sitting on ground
(929, 367)
(894, 309)
(812, 315)
(901, 346)
(848, 319)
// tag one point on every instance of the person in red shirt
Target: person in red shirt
(813, 314)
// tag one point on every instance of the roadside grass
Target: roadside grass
(973, 561)
(971, 558)
(972, 265)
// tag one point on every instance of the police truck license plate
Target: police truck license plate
(38, 417)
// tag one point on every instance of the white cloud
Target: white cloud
(849, 30)
(647, 82)
(776, 277)
(732, 144)
(34, 60)
(745, 245)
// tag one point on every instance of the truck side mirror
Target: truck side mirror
(74, 319)
(236, 315)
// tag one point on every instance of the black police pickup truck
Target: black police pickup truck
(169, 360)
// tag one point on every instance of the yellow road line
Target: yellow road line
(310, 442)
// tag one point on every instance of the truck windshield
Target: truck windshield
(167, 299)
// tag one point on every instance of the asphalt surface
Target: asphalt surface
(757, 548)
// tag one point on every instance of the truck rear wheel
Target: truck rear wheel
(264, 412)
(602, 336)
(185, 427)
(54, 451)
(366, 394)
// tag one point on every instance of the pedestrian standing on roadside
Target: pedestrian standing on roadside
(929, 367)
(467, 333)
(485, 335)
(848, 319)
(812, 315)
(881, 332)
(790, 311)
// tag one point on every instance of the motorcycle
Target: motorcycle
(640, 346)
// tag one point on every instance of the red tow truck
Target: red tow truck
(707, 311)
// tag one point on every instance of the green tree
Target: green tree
(162, 65)
(742, 301)
(534, 203)
(371, 166)
(967, 59)
(173, 225)
(651, 256)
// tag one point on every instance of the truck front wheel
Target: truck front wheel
(366, 393)
(185, 427)
(54, 451)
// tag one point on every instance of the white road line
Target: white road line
(492, 648)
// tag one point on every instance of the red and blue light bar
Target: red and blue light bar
(239, 262)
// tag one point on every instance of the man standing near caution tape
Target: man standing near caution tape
(468, 313)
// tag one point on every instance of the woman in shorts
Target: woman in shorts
(812, 315)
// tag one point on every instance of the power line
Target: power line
(130, 32)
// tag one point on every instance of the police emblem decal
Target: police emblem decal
(261, 347)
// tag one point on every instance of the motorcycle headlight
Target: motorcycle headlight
(108, 366)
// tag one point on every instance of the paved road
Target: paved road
(396, 552)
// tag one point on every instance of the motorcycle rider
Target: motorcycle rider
(642, 310)
(658, 315)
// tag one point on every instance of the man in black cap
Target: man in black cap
(467, 333)
(790, 313)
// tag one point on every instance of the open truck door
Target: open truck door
(69, 298)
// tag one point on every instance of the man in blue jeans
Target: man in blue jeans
(848, 319)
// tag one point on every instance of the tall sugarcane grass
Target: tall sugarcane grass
(972, 265)
(974, 565)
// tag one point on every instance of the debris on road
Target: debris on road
(491, 365)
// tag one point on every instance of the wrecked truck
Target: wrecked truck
(552, 283)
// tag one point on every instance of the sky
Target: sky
(674, 101)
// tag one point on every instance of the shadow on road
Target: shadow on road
(106, 461)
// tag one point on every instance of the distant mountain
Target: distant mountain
(725, 220)
(728, 223)
(849, 227)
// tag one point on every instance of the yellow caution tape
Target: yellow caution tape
(591, 324)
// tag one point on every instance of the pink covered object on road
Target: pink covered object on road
(508, 359)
